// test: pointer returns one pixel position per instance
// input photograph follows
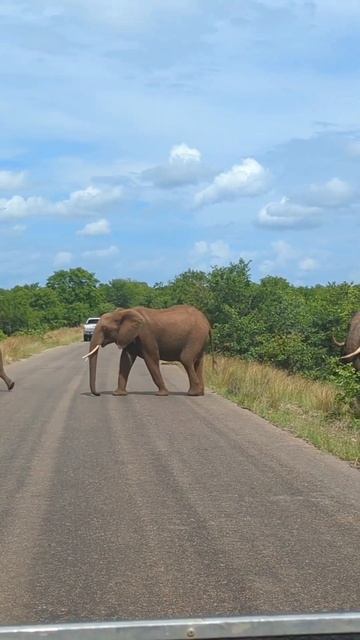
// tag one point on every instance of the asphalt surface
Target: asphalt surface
(148, 507)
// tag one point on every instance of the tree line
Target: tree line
(269, 321)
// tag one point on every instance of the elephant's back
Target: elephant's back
(181, 313)
(177, 328)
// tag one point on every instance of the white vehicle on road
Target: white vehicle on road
(89, 328)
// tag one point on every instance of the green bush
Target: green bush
(347, 380)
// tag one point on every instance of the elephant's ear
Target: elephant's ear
(129, 323)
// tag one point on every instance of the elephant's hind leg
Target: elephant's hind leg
(199, 370)
(196, 385)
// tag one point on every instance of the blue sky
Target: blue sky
(142, 138)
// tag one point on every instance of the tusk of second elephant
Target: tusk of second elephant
(91, 352)
(337, 343)
(352, 355)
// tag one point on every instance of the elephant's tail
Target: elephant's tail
(213, 361)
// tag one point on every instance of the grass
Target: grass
(307, 408)
(23, 346)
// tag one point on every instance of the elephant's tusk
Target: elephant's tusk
(352, 355)
(336, 343)
(91, 352)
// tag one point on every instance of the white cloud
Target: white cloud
(285, 255)
(184, 167)
(334, 193)
(19, 207)
(92, 199)
(85, 202)
(249, 178)
(283, 251)
(201, 248)
(11, 180)
(286, 215)
(11, 232)
(101, 253)
(99, 228)
(183, 153)
(62, 259)
(205, 254)
(308, 264)
(217, 249)
(353, 148)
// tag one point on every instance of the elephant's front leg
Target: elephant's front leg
(153, 364)
(127, 360)
(9, 383)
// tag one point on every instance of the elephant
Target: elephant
(351, 346)
(9, 383)
(177, 333)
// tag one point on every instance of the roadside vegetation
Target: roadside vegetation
(20, 346)
(316, 411)
(273, 338)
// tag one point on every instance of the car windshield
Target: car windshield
(93, 321)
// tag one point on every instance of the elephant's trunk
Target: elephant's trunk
(96, 341)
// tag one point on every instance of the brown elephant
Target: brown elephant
(9, 383)
(179, 333)
(351, 346)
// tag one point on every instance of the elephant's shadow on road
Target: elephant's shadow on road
(135, 393)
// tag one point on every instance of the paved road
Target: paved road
(147, 507)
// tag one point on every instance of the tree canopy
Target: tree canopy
(269, 321)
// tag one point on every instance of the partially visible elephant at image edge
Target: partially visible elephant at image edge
(178, 333)
(9, 383)
(351, 345)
